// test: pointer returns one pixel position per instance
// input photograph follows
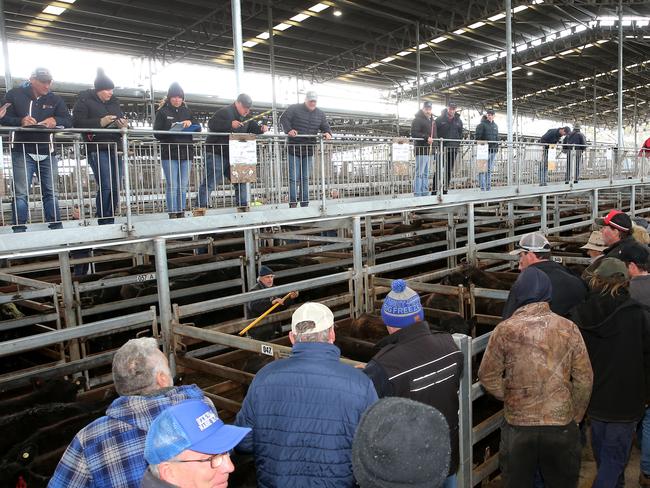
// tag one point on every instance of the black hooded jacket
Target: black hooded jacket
(175, 145)
(616, 331)
(487, 131)
(575, 140)
(450, 128)
(616, 249)
(89, 110)
(222, 121)
(422, 128)
(568, 289)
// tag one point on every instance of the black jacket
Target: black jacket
(305, 122)
(568, 289)
(88, 111)
(175, 145)
(552, 136)
(256, 308)
(422, 128)
(576, 140)
(150, 481)
(423, 366)
(23, 104)
(616, 331)
(449, 128)
(221, 121)
(615, 250)
(487, 131)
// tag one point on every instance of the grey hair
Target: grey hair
(155, 468)
(302, 333)
(136, 365)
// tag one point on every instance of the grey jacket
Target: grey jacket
(640, 289)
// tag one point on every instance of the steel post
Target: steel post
(164, 302)
(5, 48)
(68, 302)
(543, 226)
(357, 268)
(322, 175)
(417, 64)
(251, 253)
(465, 467)
(127, 180)
(237, 44)
(620, 81)
(509, 86)
(471, 234)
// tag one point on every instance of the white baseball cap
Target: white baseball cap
(533, 242)
(321, 316)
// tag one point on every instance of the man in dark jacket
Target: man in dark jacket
(575, 144)
(450, 126)
(298, 120)
(488, 130)
(230, 119)
(423, 130)
(415, 363)
(304, 410)
(617, 232)
(32, 153)
(98, 108)
(552, 136)
(568, 289)
(616, 330)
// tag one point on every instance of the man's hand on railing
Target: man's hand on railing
(292, 133)
(264, 128)
(327, 136)
(122, 123)
(27, 121)
(107, 120)
(236, 124)
(50, 122)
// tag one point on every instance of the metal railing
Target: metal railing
(135, 175)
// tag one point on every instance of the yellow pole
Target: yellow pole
(261, 317)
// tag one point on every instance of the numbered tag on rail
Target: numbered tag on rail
(267, 349)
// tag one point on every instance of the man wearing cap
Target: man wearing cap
(298, 120)
(537, 363)
(575, 144)
(488, 130)
(616, 330)
(617, 232)
(552, 136)
(413, 439)
(414, 362)
(450, 127)
(423, 130)
(229, 119)
(108, 451)
(33, 105)
(256, 308)
(534, 250)
(188, 446)
(305, 409)
(98, 108)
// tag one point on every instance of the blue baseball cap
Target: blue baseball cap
(190, 425)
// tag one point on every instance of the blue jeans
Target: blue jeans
(645, 443)
(177, 176)
(421, 181)
(611, 443)
(299, 168)
(543, 169)
(108, 169)
(24, 169)
(450, 482)
(217, 168)
(485, 178)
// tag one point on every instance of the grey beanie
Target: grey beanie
(401, 443)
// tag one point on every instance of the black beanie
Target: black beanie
(401, 443)
(103, 82)
(175, 90)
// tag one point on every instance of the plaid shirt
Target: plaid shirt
(109, 452)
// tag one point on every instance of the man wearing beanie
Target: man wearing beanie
(416, 363)
(229, 119)
(98, 108)
(401, 443)
(536, 363)
(305, 409)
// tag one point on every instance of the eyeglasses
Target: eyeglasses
(215, 460)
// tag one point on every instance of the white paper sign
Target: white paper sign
(552, 157)
(608, 154)
(482, 150)
(402, 152)
(243, 152)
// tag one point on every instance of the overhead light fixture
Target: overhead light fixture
(54, 10)
(516, 68)
(496, 17)
(319, 7)
(388, 59)
(482, 79)
(404, 53)
(499, 73)
(67, 1)
(476, 25)
(529, 73)
(424, 45)
(532, 63)
(372, 65)
(250, 44)
(282, 26)
(521, 8)
(459, 32)
(263, 35)
(568, 51)
(439, 39)
(337, 13)
(548, 58)
(299, 17)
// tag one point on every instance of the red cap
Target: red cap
(616, 219)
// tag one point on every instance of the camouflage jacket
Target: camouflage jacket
(537, 363)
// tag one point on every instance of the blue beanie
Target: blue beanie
(402, 306)
(265, 271)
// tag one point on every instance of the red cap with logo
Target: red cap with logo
(617, 220)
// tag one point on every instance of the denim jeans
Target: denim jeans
(485, 178)
(177, 176)
(611, 443)
(421, 181)
(217, 168)
(108, 169)
(450, 482)
(543, 168)
(645, 443)
(450, 155)
(24, 169)
(574, 156)
(299, 169)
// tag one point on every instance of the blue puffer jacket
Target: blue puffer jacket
(304, 412)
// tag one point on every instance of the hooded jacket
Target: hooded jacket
(616, 331)
(304, 411)
(640, 289)
(575, 140)
(222, 121)
(616, 249)
(423, 366)
(537, 363)
(109, 451)
(175, 145)
(88, 111)
(487, 131)
(23, 104)
(450, 128)
(422, 128)
(568, 289)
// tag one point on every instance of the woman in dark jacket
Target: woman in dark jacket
(176, 150)
(99, 109)
(488, 130)
(616, 331)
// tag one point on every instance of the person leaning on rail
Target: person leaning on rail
(33, 105)
(551, 136)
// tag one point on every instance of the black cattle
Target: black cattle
(45, 391)
(471, 275)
